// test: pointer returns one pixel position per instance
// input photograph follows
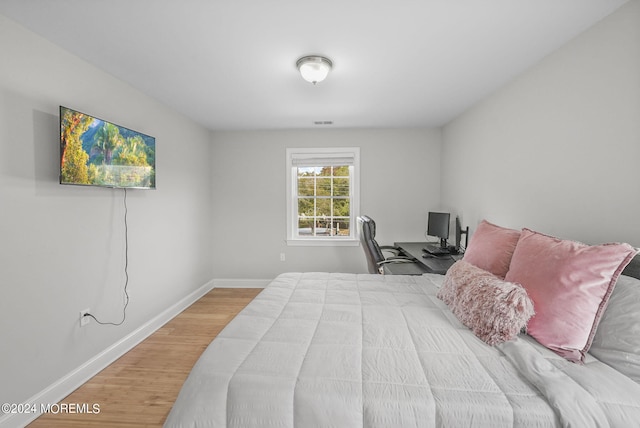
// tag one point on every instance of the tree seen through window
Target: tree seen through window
(323, 200)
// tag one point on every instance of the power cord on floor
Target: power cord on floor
(126, 270)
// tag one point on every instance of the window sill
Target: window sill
(323, 242)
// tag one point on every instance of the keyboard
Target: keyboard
(436, 250)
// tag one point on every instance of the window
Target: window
(322, 196)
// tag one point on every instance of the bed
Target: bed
(362, 350)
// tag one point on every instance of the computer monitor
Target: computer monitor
(438, 225)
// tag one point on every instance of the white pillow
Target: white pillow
(617, 339)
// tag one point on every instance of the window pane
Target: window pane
(323, 207)
(323, 186)
(306, 207)
(341, 227)
(306, 186)
(341, 171)
(305, 226)
(308, 171)
(325, 171)
(341, 187)
(341, 207)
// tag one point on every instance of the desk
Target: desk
(431, 264)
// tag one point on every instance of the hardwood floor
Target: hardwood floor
(139, 389)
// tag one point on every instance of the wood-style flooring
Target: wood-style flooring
(139, 388)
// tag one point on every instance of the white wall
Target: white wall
(62, 247)
(400, 182)
(557, 149)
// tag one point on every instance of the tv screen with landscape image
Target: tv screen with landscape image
(94, 152)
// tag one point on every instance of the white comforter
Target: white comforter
(344, 350)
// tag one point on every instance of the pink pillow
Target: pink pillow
(493, 309)
(570, 284)
(491, 248)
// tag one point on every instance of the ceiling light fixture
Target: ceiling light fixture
(314, 68)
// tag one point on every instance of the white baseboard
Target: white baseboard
(240, 283)
(69, 383)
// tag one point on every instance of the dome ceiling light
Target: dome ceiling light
(314, 68)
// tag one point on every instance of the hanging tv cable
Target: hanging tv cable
(126, 270)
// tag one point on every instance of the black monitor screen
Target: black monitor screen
(438, 225)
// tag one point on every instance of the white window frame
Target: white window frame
(315, 155)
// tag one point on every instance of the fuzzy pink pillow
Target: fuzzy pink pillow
(493, 309)
(570, 284)
(491, 248)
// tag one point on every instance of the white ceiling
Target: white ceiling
(230, 64)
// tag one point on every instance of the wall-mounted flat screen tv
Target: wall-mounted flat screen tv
(94, 152)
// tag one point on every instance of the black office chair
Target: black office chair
(376, 259)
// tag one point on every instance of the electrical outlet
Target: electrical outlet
(84, 320)
(282, 257)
